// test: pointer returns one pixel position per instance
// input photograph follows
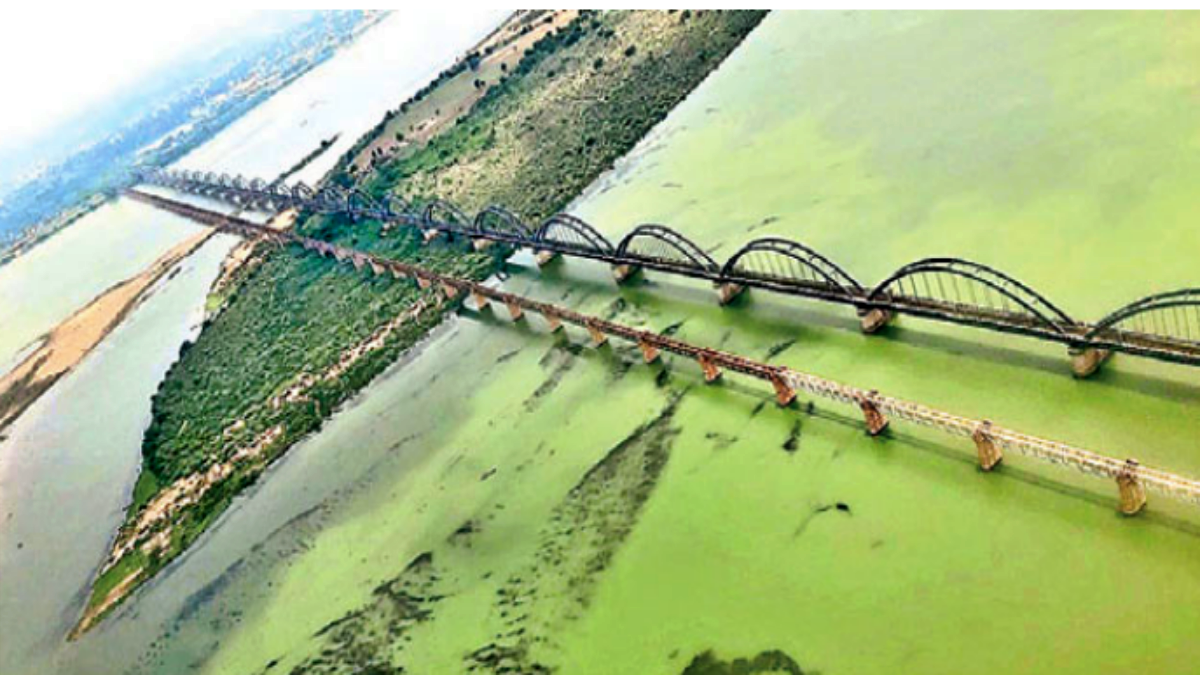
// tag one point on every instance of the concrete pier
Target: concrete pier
(515, 311)
(481, 303)
(1084, 362)
(989, 453)
(649, 352)
(482, 244)
(449, 291)
(1133, 493)
(598, 336)
(429, 235)
(874, 319)
(711, 371)
(727, 293)
(623, 273)
(544, 258)
(423, 283)
(875, 420)
(553, 322)
(784, 393)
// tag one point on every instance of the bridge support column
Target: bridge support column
(449, 291)
(553, 321)
(876, 422)
(1087, 360)
(727, 293)
(376, 268)
(784, 393)
(544, 258)
(711, 371)
(481, 302)
(1133, 493)
(398, 274)
(874, 319)
(482, 244)
(623, 273)
(423, 283)
(429, 235)
(989, 453)
(649, 352)
(598, 336)
(515, 311)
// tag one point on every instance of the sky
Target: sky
(54, 62)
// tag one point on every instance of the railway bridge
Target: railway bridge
(1164, 326)
(991, 441)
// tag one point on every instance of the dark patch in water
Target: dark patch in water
(578, 544)
(817, 510)
(758, 408)
(662, 378)
(792, 443)
(673, 328)
(763, 223)
(566, 355)
(507, 355)
(487, 474)
(719, 440)
(779, 348)
(769, 661)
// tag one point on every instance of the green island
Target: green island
(293, 336)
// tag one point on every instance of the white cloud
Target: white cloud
(56, 61)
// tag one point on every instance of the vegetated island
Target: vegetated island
(294, 336)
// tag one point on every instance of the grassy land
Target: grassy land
(299, 335)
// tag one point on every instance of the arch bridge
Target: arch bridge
(1164, 326)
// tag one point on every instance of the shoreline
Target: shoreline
(65, 346)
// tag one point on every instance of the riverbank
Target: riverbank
(72, 340)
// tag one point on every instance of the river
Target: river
(68, 464)
(1059, 148)
(1046, 145)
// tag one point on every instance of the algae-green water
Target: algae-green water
(1060, 148)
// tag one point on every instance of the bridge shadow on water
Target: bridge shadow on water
(959, 452)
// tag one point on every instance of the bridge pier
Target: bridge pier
(989, 453)
(544, 258)
(874, 319)
(449, 291)
(1087, 360)
(1133, 493)
(376, 268)
(876, 422)
(423, 283)
(784, 393)
(515, 311)
(711, 371)
(481, 302)
(481, 244)
(623, 273)
(598, 336)
(398, 274)
(728, 292)
(429, 235)
(650, 353)
(553, 321)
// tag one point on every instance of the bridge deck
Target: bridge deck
(1092, 463)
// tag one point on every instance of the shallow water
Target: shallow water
(1047, 145)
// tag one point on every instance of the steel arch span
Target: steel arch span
(564, 230)
(789, 263)
(662, 245)
(977, 291)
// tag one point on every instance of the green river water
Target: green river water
(1060, 148)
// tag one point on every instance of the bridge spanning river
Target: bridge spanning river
(991, 441)
(1164, 326)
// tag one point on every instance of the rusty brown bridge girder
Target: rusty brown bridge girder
(878, 410)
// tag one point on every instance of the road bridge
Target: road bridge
(991, 441)
(1163, 326)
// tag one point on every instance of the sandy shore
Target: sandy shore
(74, 338)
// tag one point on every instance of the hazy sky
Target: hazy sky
(55, 61)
